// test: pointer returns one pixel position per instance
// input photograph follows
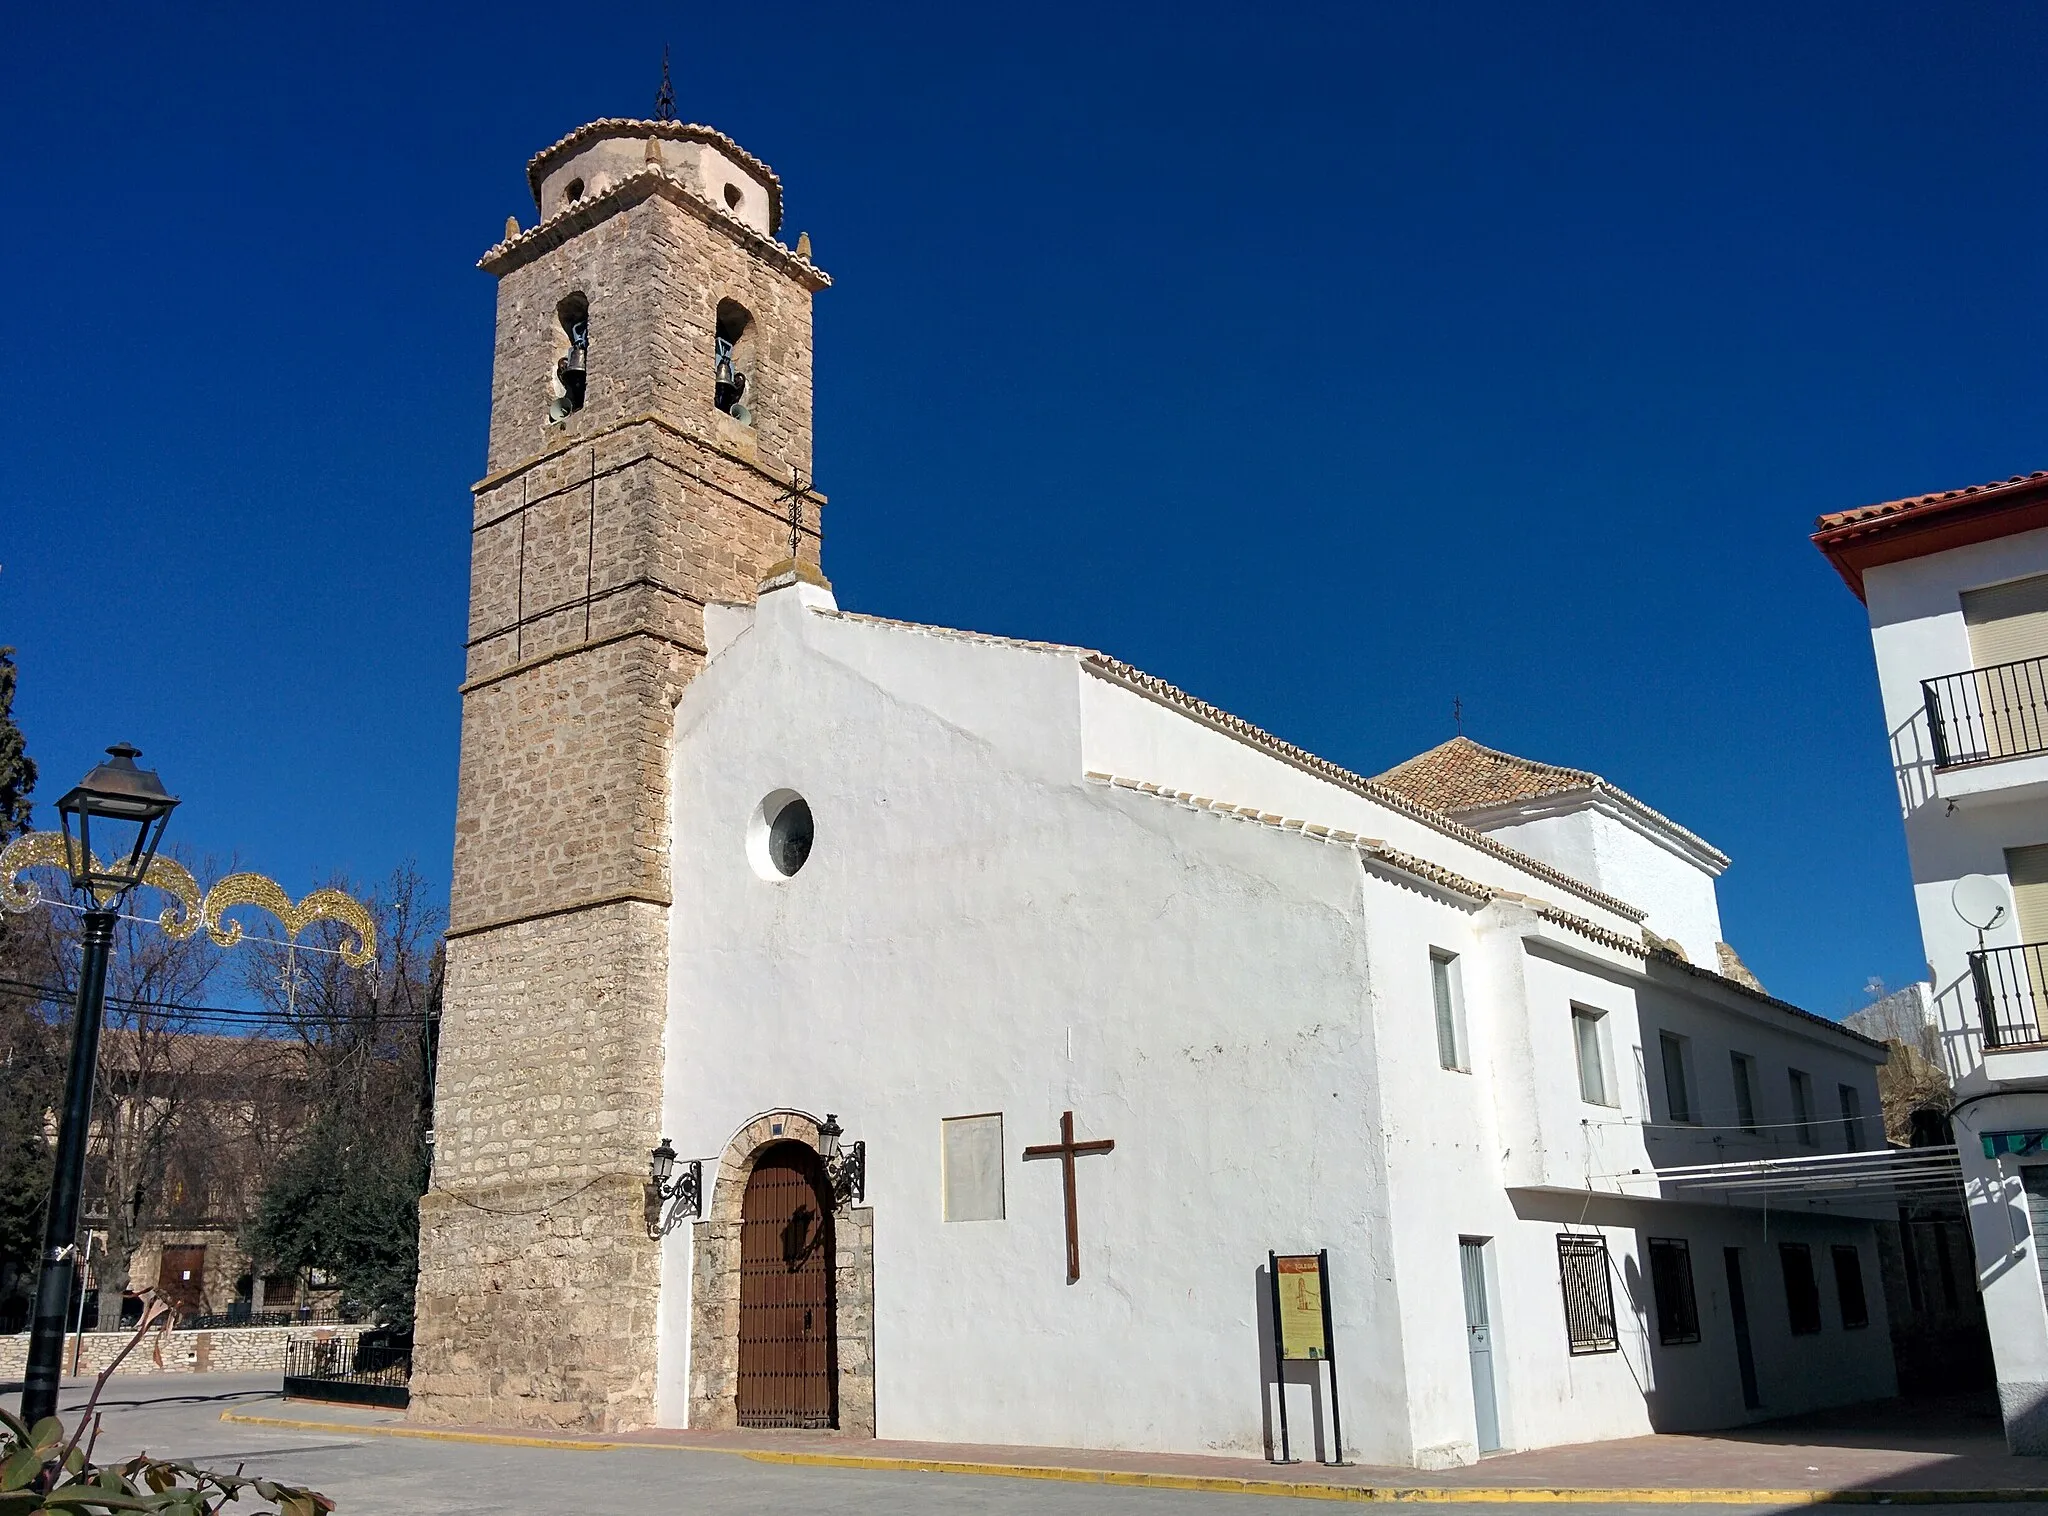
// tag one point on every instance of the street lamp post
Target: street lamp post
(128, 807)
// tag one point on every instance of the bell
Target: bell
(731, 385)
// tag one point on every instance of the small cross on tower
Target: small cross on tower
(793, 498)
(1066, 1150)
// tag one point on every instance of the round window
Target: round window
(574, 190)
(779, 840)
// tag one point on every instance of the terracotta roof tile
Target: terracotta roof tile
(1911, 503)
(1460, 774)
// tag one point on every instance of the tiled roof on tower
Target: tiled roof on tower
(1460, 777)
(1460, 774)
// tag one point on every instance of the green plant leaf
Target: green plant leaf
(47, 1433)
(76, 1497)
(20, 1468)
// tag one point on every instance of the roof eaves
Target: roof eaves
(1612, 939)
(1157, 689)
(580, 215)
(1370, 848)
(678, 131)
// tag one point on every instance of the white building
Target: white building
(948, 887)
(1956, 585)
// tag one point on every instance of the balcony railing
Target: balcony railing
(2012, 989)
(1982, 714)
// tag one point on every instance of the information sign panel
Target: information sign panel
(1304, 1329)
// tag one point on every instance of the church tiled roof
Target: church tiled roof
(1154, 688)
(1460, 776)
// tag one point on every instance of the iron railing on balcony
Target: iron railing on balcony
(1981, 714)
(2012, 989)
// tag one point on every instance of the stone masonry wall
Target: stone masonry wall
(596, 544)
(228, 1350)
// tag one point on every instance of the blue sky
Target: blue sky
(1333, 363)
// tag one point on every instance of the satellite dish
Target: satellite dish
(1980, 900)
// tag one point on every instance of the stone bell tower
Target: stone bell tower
(650, 405)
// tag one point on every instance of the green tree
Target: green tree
(17, 769)
(31, 1066)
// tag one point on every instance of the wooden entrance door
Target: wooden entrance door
(181, 1278)
(788, 1368)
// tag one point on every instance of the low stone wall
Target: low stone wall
(228, 1350)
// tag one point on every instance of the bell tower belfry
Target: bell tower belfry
(650, 413)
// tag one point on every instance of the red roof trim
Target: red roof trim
(1858, 540)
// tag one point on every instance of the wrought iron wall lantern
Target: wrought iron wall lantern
(680, 1191)
(846, 1170)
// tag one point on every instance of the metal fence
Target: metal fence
(347, 1369)
(242, 1316)
(2009, 982)
(1982, 714)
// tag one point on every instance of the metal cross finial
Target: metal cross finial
(794, 497)
(1458, 714)
(665, 97)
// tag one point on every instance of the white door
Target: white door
(1479, 1341)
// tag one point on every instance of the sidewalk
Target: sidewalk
(1890, 1452)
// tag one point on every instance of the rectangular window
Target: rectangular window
(1678, 1312)
(1802, 1294)
(1852, 1118)
(1744, 1068)
(1802, 1106)
(971, 1163)
(1677, 1087)
(1588, 1293)
(1849, 1287)
(1594, 1086)
(1450, 1019)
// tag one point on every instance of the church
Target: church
(860, 1025)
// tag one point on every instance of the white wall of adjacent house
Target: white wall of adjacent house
(1978, 820)
(1251, 1015)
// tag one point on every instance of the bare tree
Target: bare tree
(344, 1199)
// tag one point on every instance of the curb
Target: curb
(1201, 1483)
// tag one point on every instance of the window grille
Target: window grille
(1849, 1287)
(1588, 1294)
(1678, 1312)
(1802, 1294)
(1449, 1052)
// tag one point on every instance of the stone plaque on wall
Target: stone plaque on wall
(972, 1159)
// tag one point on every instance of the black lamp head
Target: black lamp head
(121, 809)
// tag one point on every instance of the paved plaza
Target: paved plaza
(353, 1456)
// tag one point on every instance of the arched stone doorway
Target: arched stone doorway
(787, 1376)
(718, 1272)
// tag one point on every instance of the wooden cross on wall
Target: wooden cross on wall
(1066, 1150)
